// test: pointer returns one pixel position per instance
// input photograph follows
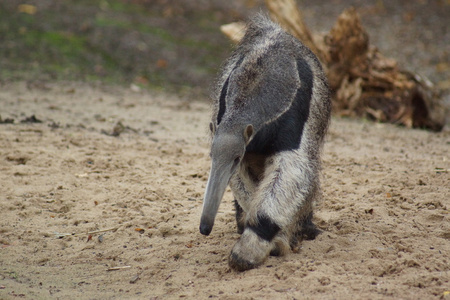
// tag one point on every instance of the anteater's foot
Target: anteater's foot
(309, 230)
(249, 252)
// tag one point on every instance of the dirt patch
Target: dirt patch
(86, 215)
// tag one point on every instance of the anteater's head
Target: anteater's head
(227, 150)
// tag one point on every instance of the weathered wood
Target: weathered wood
(367, 84)
(287, 14)
(234, 31)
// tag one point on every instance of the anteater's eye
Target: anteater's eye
(237, 160)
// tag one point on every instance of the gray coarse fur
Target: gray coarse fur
(258, 85)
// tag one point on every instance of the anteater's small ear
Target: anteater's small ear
(212, 127)
(248, 133)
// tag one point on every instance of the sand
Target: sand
(94, 210)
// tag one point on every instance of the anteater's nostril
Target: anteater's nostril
(205, 229)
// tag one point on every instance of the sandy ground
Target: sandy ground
(384, 216)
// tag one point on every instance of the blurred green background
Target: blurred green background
(160, 44)
(176, 45)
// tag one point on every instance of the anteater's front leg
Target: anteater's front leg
(273, 215)
(243, 191)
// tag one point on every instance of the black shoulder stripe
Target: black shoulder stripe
(222, 106)
(304, 95)
(265, 228)
(223, 93)
(306, 76)
(285, 133)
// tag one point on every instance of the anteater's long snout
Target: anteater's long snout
(215, 188)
